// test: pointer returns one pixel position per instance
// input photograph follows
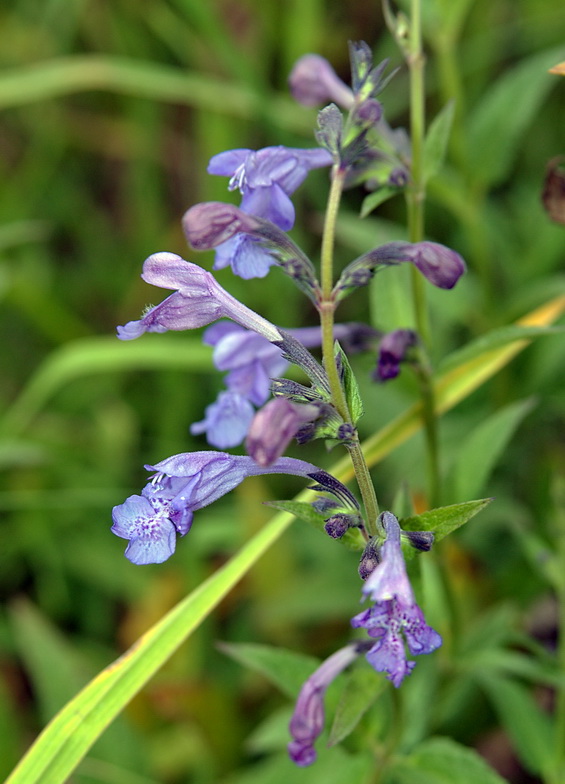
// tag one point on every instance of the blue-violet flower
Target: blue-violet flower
(198, 301)
(182, 484)
(266, 179)
(395, 613)
(307, 720)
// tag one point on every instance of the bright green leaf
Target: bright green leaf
(479, 454)
(285, 669)
(505, 112)
(445, 519)
(360, 690)
(437, 138)
(443, 761)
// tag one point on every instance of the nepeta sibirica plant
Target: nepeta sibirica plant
(266, 410)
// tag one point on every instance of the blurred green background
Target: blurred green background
(109, 112)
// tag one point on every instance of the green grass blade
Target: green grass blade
(65, 76)
(101, 355)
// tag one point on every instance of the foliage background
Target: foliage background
(109, 114)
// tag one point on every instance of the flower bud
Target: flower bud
(419, 540)
(338, 524)
(313, 81)
(393, 350)
(211, 223)
(274, 426)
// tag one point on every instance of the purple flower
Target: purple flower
(395, 614)
(251, 361)
(226, 420)
(265, 178)
(199, 300)
(274, 426)
(313, 81)
(184, 483)
(393, 349)
(307, 720)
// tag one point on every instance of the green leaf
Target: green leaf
(56, 671)
(502, 661)
(372, 201)
(301, 510)
(517, 94)
(437, 138)
(333, 766)
(480, 453)
(442, 761)
(359, 692)
(352, 539)
(287, 670)
(351, 388)
(444, 519)
(529, 727)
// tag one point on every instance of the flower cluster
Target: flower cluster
(254, 353)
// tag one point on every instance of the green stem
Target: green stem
(327, 304)
(326, 309)
(415, 207)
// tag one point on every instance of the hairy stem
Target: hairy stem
(326, 309)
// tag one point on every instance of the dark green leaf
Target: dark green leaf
(301, 510)
(352, 539)
(372, 201)
(333, 766)
(529, 727)
(351, 388)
